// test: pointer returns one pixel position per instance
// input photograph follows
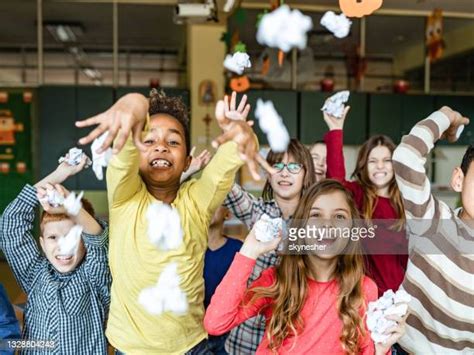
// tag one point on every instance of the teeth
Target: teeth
(160, 163)
(63, 257)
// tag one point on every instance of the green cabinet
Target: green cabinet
(312, 124)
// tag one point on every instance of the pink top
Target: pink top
(387, 270)
(322, 326)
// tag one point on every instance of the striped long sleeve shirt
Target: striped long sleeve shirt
(67, 310)
(440, 272)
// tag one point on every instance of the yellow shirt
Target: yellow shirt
(135, 263)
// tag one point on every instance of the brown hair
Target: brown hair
(301, 155)
(289, 292)
(48, 217)
(362, 177)
(172, 106)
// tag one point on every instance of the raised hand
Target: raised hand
(335, 122)
(231, 113)
(253, 248)
(127, 115)
(42, 192)
(456, 120)
(197, 163)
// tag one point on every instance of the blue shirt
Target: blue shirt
(216, 264)
(9, 328)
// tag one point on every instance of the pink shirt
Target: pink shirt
(322, 325)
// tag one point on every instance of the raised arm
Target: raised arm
(243, 205)
(410, 156)
(16, 239)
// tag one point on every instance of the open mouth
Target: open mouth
(380, 175)
(64, 259)
(284, 183)
(319, 172)
(160, 163)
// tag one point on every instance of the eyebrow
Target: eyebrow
(170, 130)
(337, 209)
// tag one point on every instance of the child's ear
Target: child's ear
(457, 179)
(41, 239)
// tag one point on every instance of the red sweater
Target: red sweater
(322, 326)
(387, 270)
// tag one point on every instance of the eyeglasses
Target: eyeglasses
(293, 168)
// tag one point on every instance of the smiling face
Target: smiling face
(319, 153)
(52, 231)
(329, 212)
(165, 158)
(379, 167)
(287, 185)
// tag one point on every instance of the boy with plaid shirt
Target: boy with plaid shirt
(68, 292)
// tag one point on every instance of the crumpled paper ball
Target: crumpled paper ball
(339, 25)
(74, 157)
(267, 228)
(164, 226)
(284, 28)
(53, 198)
(166, 295)
(237, 62)
(100, 160)
(334, 105)
(272, 125)
(73, 204)
(68, 244)
(389, 304)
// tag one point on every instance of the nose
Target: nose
(284, 172)
(380, 164)
(160, 147)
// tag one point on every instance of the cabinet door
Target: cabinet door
(386, 115)
(414, 109)
(464, 105)
(57, 132)
(286, 104)
(313, 127)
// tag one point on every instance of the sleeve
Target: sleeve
(210, 190)
(9, 328)
(16, 239)
(230, 304)
(96, 263)
(409, 160)
(123, 180)
(370, 295)
(335, 160)
(243, 205)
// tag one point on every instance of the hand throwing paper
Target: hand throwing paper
(74, 157)
(267, 229)
(339, 25)
(237, 62)
(284, 28)
(389, 304)
(164, 226)
(53, 198)
(101, 160)
(73, 204)
(334, 105)
(166, 295)
(272, 125)
(68, 244)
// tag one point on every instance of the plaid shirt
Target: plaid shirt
(245, 338)
(68, 309)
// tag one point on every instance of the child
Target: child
(138, 177)
(281, 195)
(312, 303)
(219, 255)
(319, 153)
(9, 328)
(440, 280)
(68, 294)
(377, 197)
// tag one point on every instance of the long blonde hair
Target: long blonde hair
(290, 290)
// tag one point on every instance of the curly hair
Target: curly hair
(174, 107)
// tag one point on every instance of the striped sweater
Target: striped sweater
(440, 272)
